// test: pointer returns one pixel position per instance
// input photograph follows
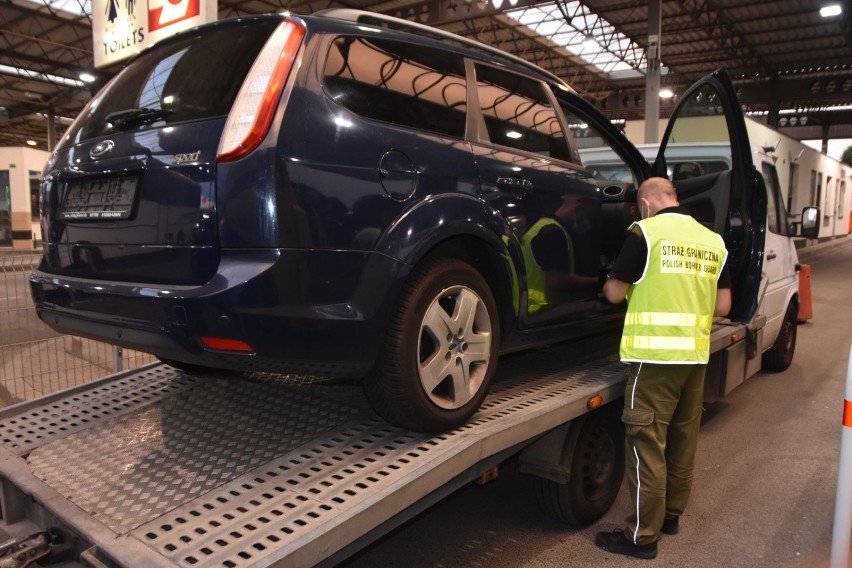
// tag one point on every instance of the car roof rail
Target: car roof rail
(363, 16)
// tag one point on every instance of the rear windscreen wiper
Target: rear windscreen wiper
(141, 115)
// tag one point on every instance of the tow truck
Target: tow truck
(166, 467)
(160, 467)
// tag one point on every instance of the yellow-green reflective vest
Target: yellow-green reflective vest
(537, 297)
(670, 308)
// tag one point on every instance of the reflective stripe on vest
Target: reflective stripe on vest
(666, 343)
(670, 309)
(666, 318)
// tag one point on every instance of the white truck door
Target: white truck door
(779, 265)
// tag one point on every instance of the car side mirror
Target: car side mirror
(809, 225)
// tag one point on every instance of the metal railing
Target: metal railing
(34, 359)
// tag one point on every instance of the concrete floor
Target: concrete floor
(765, 480)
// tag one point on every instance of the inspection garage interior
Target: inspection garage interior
(257, 352)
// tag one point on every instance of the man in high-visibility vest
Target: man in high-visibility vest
(671, 271)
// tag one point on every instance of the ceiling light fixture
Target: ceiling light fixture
(666, 93)
(830, 10)
(32, 143)
(87, 77)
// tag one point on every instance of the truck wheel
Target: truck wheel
(440, 351)
(778, 357)
(594, 455)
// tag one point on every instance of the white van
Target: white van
(778, 299)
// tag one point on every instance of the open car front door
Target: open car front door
(706, 154)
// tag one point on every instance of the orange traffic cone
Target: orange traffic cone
(806, 308)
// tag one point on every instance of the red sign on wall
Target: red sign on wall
(163, 13)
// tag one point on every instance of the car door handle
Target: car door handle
(519, 186)
(771, 255)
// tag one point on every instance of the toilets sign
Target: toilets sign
(123, 28)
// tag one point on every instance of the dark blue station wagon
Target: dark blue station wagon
(345, 195)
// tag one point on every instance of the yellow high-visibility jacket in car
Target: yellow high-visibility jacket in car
(537, 293)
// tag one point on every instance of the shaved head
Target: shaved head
(658, 187)
(657, 193)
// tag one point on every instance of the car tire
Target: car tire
(440, 350)
(778, 357)
(594, 457)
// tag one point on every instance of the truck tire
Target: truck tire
(440, 350)
(778, 357)
(594, 454)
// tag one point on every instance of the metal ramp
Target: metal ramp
(163, 468)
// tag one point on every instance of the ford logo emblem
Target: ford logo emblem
(102, 148)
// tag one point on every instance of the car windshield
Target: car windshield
(197, 77)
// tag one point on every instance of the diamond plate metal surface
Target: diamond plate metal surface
(129, 470)
(30, 429)
(240, 472)
(304, 505)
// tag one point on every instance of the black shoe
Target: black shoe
(617, 543)
(670, 526)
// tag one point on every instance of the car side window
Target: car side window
(700, 121)
(518, 113)
(597, 155)
(399, 83)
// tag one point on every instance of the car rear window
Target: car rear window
(197, 77)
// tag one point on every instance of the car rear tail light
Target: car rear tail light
(225, 344)
(254, 107)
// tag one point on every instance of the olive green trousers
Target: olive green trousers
(662, 419)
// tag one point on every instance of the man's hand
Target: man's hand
(615, 290)
(723, 302)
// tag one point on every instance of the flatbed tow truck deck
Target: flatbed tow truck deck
(159, 467)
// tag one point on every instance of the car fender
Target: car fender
(439, 218)
(776, 319)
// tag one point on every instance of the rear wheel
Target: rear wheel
(778, 357)
(440, 351)
(594, 455)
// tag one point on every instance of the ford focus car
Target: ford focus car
(350, 195)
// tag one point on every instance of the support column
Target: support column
(825, 137)
(774, 104)
(51, 130)
(652, 78)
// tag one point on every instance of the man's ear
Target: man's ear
(646, 211)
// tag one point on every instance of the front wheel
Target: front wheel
(440, 351)
(778, 357)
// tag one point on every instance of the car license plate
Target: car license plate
(99, 199)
